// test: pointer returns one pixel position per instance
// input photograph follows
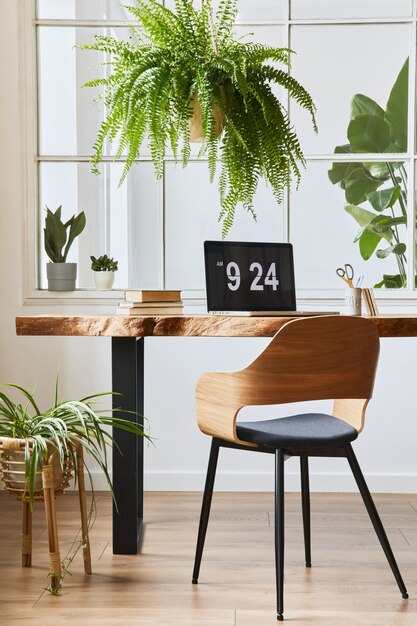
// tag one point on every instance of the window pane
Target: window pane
(123, 223)
(114, 10)
(331, 9)
(268, 34)
(333, 71)
(248, 9)
(192, 208)
(323, 231)
(82, 10)
(68, 116)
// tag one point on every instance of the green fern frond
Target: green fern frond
(256, 54)
(225, 19)
(296, 91)
(187, 16)
(173, 58)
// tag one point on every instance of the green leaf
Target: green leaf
(362, 105)
(76, 229)
(362, 216)
(384, 231)
(368, 243)
(369, 133)
(380, 225)
(390, 282)
(385, 198)
(340, 171)
(344, 149)
(368, 238)
(55, 235)
(397, 110)
(58, 212)
(386, 223)
(49, 248)
(397, 249)
(359, 185)
(379, 169)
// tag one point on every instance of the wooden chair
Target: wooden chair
(50, 483)
(332, 357)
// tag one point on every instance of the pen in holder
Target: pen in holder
(353, 301)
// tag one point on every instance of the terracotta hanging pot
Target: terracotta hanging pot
(196, 121)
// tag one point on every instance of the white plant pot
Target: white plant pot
(103, 280)
(61, 276)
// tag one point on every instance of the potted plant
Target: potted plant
(103, 271)
(58, 238)
(376, 193)
(180, 68)
(32, 439)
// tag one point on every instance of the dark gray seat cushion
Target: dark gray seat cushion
(308, 430)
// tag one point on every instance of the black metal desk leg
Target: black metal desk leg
(127, 373)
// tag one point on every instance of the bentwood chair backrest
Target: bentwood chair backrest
(317, 358)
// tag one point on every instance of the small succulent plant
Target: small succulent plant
(103, 264)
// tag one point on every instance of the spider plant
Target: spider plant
(66, 424)
(189, 61)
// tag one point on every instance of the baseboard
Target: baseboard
(264, 481)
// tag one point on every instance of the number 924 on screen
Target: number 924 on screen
(261, 277)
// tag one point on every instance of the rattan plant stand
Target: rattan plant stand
(50, 483)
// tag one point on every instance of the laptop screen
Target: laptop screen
(242, 276)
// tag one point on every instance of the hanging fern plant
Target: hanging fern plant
(188, 64)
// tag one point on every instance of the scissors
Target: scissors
(346, 274)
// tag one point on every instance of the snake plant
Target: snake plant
(59, 236)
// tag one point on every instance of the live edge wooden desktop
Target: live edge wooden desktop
(127, 335)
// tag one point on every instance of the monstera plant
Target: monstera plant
(185, 67)
(376, 192)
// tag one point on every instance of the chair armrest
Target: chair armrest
(351, 411)
(218, 401)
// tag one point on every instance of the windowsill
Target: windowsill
(323, 300)
(84, 297)
(78, 297)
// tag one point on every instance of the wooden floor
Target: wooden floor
(349, 583)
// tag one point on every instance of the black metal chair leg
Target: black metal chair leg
(375, 519)
(305, 502)
(205, 508)
(279, 531)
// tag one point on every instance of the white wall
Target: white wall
(178, 460)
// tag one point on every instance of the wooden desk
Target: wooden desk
(128, 373)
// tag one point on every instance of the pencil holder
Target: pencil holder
(353, 301)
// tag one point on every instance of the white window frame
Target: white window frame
(404, 299)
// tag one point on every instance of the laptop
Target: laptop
(251, 278)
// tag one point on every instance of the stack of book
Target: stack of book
(142, 302)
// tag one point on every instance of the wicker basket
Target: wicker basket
(12, 467)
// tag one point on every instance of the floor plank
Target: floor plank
(349, 583)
